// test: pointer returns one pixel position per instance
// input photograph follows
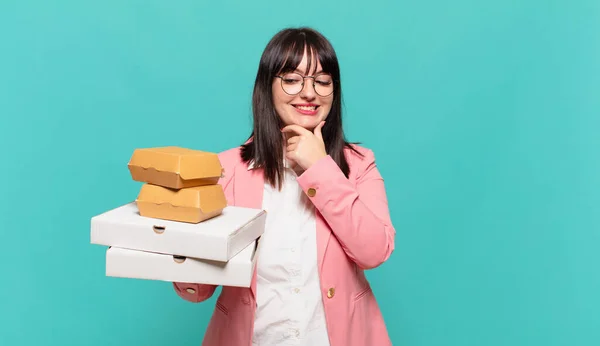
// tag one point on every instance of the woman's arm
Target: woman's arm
(358, 216)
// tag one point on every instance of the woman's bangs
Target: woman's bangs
(295, 53)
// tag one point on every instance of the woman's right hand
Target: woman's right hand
(194, 293)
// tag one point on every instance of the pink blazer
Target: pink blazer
(354, 233)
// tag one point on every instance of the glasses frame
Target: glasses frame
(304, 79)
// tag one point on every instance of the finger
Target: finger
(293, 140)
(295, 128)
(318, 130)
(291, 147)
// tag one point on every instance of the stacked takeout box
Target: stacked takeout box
(180, 228)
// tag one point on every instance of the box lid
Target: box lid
(207, 198)
(219, 238)
(189, 164)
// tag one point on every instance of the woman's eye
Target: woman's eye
(291, 80)
(324, 82)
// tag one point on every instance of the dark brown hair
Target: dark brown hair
(283, 53)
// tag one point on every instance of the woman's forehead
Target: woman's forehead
(309, 64)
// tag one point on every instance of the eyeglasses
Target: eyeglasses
(293, 83)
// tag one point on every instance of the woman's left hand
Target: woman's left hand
(307, 147)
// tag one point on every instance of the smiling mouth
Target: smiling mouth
(306, 108)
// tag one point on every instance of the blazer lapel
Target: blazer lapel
(248, 188)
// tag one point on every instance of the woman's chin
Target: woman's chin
(307, 123)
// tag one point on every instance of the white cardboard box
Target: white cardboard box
(219, 238)
(136, 264)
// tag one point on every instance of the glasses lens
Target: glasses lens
(291, 83)
(324, 85)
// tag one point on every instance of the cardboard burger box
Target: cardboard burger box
(192, 204)
(175, 167)
(180, 184)
(134, 264)
(219, 238)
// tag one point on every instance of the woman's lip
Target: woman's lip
(307, 112)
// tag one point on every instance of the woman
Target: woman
(328, 218)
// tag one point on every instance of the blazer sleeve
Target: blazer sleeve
(200, 292)
(358, 214)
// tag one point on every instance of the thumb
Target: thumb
(318, 130)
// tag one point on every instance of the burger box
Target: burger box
(219, 238)
(175, 167)
(192, 204)
(134, 264)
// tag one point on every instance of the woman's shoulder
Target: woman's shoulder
(229, 160)
(230, 157)
(353, 147)
(356, 153)
(361, 161)
(231, 153)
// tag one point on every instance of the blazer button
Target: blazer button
(311, 192)
(330, 293)
(190, 290)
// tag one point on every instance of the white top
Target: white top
(289, 303)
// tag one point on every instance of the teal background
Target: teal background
(484, 118)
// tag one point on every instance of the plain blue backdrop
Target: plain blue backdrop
(483, 116)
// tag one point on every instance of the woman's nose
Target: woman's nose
(308, 90)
